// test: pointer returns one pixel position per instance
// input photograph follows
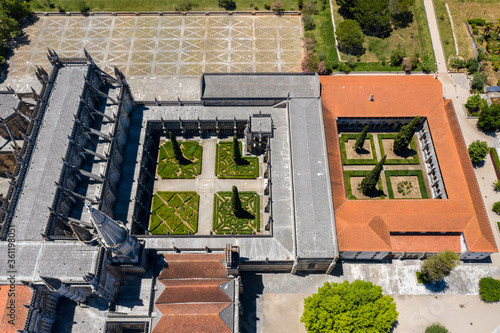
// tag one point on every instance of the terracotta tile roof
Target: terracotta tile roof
(366, 225)
(197, 292)
(425, 243)
(22, 297)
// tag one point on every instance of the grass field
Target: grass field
(414, 40)
(324, 34)
(152, 5)
(460, 12)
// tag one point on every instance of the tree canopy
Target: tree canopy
(175, 147)
(350, 37)
(11, 13)
(349, 307)
(478, 151)
(370, 181)
(236, 151)
(438, 266)
(403, 139)
(473, 103)
(236, 208)
(402, 15)
(374, 16)
(489, 117)
(436, 328)
(360, 140)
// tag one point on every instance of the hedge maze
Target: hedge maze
(226, 168)
(224, 222)
(169, 167)
(175, 213)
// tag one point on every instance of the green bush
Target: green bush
(472, 65)
(473, 103)
(478, 151)
(437, 267)
(476, 22)
(436, 328)
(350, 37)
(496, 207)
(397, 56)
(183, 5)
(82, 6)
(489, 289)
(427, 67)
(229, 4)
(489, 117)
(308, 22)
(478, 81)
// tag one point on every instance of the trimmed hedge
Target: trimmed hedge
(388, 161)
(225, 168)
(359, 173)
(496, 161)
(175, 213)
(418, 173)
(345, 137)
(224, 222)
(170, 168)
(489, 289)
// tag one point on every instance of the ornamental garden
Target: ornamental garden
(206, 187)
(384, 162)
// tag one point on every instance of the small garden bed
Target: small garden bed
(409, 156)
(405, 184)
(350, 156)
(224, 222)
(225, 167)
(169, 167)
(174, 213)
(351, 176)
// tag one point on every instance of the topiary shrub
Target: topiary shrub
(360, 140)
(478, 151)
(436, 328)
(496, 207)
(489, 289)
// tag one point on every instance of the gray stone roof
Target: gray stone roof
(8, 102)
(314, 216)
(68, 261)
(39, 188)
(259, 85)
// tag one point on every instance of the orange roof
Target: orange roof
(193, 298)
(22, 297)
(366, 225)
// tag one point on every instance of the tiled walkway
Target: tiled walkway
(160, 45)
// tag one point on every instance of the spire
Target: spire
(73, 293)
(114, 236)
(52, 283)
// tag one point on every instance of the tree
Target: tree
(478, 151)
(403, 138)
(478, 81)
(402, 15)
(438, 266)
(397, 56)
(175, 147)
(16, 9)
(371, 179)
(489, 117)
(9, 28)
(227, 4)
(472, 65)
(360, 140)
(236, 151)
(374, 16)
(309, 63)
(489, 289)
(350, 37)
(278, 6)
(436, 328)
(473, 103)
(308, 22)
(427, 67)
(236, 208)
(349, 307)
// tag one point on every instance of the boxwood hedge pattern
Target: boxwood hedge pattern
(359, 173)
(225, 167)
(344, 138)
(224, 222)
(395, 173)
(175, 213)
(413, 146)
(169, 167)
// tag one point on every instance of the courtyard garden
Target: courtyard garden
(226, 167)
(246, 222)
(174, 213)
(189, 166)
(391, 169)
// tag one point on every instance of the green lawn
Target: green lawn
(414, 40)
(175, 213)
(345, 137)
(169, 167)
(409, 151)
(225, 167)
(417, 173)
(224, 222)
(325, 37)
(152, 5)
(359, 173)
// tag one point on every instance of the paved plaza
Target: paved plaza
(166, 45)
